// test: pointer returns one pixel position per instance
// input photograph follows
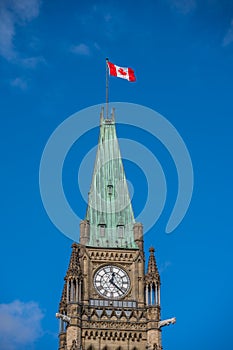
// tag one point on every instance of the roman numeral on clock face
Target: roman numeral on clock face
(112, 282)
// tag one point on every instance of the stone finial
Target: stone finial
(74, 265)
(152, 267)
(152, 274)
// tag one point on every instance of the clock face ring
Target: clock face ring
(111, 282)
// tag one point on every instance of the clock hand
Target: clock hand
(114, 284)
(112, 278)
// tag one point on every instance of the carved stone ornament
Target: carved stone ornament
(74, 345)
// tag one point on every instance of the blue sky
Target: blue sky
(52, 64)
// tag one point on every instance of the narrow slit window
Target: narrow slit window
(120, 229)
(102, 230)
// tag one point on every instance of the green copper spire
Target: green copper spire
(109, 213)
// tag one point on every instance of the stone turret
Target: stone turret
(152, 281)
(73, 276)
(152, 292)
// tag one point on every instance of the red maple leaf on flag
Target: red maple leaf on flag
(121, 71)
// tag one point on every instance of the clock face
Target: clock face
(111, 282)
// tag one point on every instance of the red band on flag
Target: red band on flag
(112, 69)
(131, 74)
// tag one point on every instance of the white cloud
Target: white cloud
(228, 38)
(19, 83)
(14, 12)
(25, 9)
(20, 324)
(184, 6)
(81, 49)
(7, 32)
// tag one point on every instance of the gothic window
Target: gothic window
(153, 295)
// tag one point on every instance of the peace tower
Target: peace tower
(109, 301)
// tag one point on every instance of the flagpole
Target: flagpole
(107, 83)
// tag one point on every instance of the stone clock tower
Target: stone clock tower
(108, 301)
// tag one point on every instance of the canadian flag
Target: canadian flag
(121, 72)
